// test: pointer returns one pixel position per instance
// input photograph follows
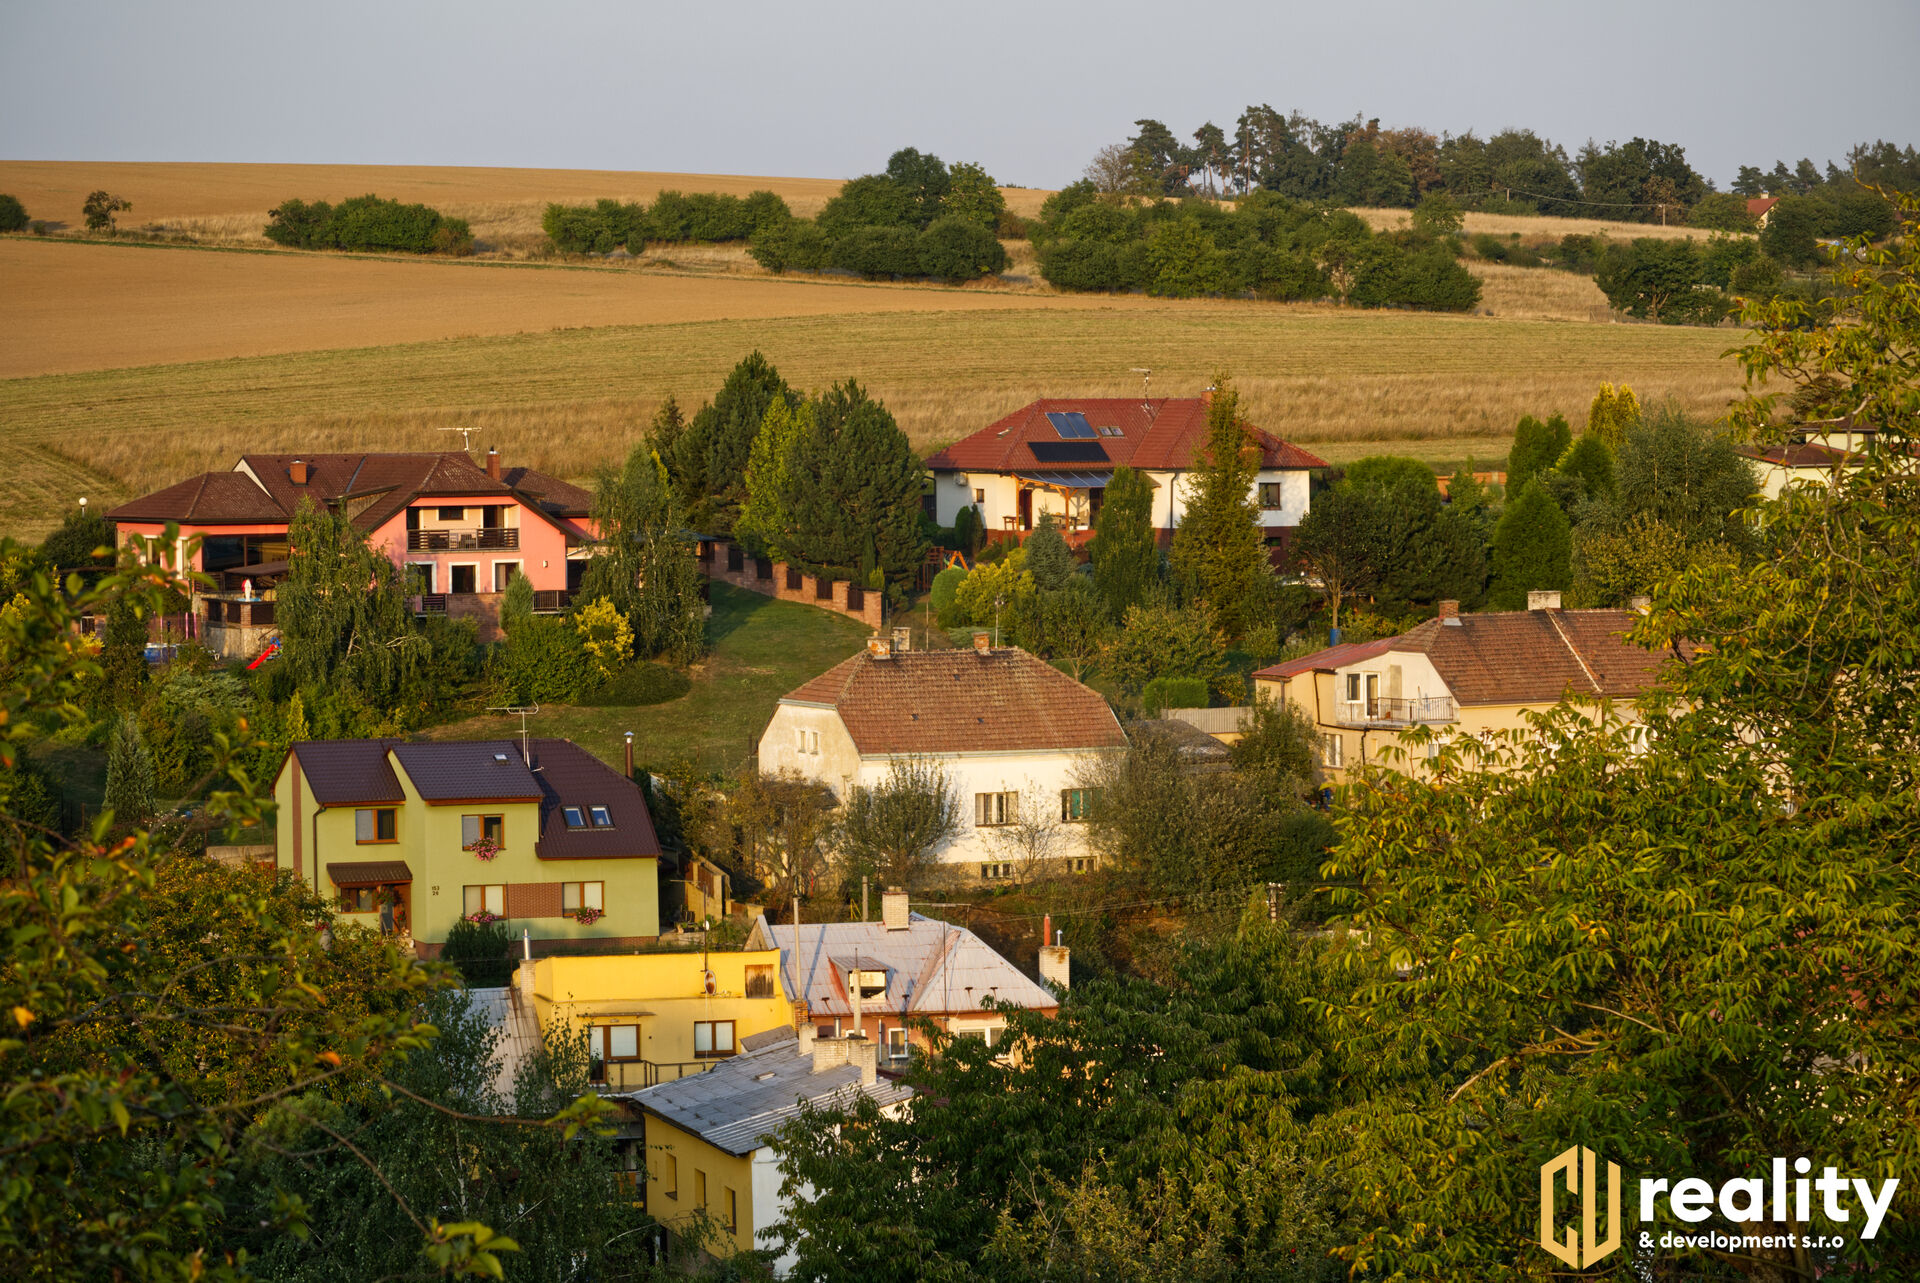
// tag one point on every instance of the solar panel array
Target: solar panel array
(1068, 451)
(1071, 425)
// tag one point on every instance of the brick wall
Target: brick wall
(533, 899)
(774, 584)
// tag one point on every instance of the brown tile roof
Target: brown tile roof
(1327, 660)
(468, 771)
(960, 701)
(1535, 656)
(361, 873)
(348, 772)
(1805, 455)
(562, 498)
(1165, 434)
(212, 498)
(570, 776)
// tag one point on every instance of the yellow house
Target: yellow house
(1458, 675)
(419, 836)
(707, 1135)
(654, 1017)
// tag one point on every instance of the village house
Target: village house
(1813, 454)
(460, 530)
(877, 978)
(1012, 734)
(1057, 456)
(1460, 675)
(543, 835)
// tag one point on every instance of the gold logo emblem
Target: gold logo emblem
(1580, 1169)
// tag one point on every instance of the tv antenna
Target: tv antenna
(466, 440)
(523, 711)
(1146, 382)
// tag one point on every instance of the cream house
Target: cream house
(1458, 675)
(1012, 733)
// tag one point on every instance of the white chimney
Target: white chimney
(1055, 973)
(804, 1031)
(982, 640)
(1641, 603)
(879, 648)
(853, 996)
(1543, 599)
(893, 909)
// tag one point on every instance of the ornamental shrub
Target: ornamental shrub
(956, 249)
(878, 251)
(1173, 692)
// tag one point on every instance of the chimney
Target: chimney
(893, 909)
(1543, 599)
(297, 473)
(879, 648)
(831, 1053)
(525, 978)
(804, 1031)
(493, 463)
(1054, 971)
(1449, 610)
(902, 640)
(982, 641)
(1641, 604)
(853, 997)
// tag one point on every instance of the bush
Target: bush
(638, 685)
(479, 954)
(1722, 211)
(945, 585)
(1385, 275)
(796, 244)
(1173, 692)
(13, 215)
(368, 223)
(954, 249)
(543, 660)
(878, 251)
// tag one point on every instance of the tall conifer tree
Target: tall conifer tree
(1125, 556)
(1532, 548)
(1218, 548)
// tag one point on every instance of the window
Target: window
(700, 1188)
(503, 573)
(420, 576)
(1080, 864)
(374, 824)
(1333, 751)
(474, 827)
(1270, 495)
(995, 872)
(452, 514)
(1074, 804)
(615, 1042)
(670, 1176)
(729, 1209)
(1353, 688)
(462, 579)
(357, 900)
(575, 818)
(990, 809)
(809, 741)
(484, 899)
(602, 817)
(760, 982)
(896, 1044)
(575, 896)
(980, 496)
(712, 1038)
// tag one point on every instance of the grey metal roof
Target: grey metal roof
(519, 1032)
(740, 1100)
(933, 968)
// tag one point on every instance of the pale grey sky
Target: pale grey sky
(828, 89)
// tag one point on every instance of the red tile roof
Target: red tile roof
(1165, 434)
(1758, 205)
(961, 701)
(1805, 455)
(1325, 661)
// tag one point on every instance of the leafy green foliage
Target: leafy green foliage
(516, 603)
(763, 521)
(1158, 639)
(709, 460)
(1658, 278)
(1173, 692)
(368, 223)
(542, 662)
(1048, 559)
(1532, 548)
(479, 951)
(1687, 475)
(894, 830)
(83, 538)
(100, 207)
(130, 775)
(646, 567)
(1722, 211)
(1218, 546)
(13, 215)
(959, 249)
(946, 587)
(854, 491)
(1340, 544)
(1589, 462)
(1123, 551)
(1385, 471)
(1536, 447)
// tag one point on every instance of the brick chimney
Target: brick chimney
(893, 909)
(1543, 599)
(1640, 604)
(1449, 610)
(493, 463)
(982, 640)
(297, 473)
(879, 648)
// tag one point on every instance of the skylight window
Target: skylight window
(573, 816)
(602, 818)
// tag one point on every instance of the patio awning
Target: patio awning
(1068, 480)
(368, 873)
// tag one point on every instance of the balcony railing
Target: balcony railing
(1391, 710)
(632, 1075)
(551, 601)
(448, 540)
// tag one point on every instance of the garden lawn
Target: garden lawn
(762, 649)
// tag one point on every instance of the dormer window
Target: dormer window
(574, 817)
(602, 817)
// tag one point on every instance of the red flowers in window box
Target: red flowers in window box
(587, 917)
(484, 849)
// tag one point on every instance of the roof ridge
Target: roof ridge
(1567, 640)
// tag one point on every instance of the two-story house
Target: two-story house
(461, 530)
(555, 842)
(1459, 675)
(1057, 456)
(1012, 734)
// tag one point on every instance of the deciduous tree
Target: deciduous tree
(894, 830)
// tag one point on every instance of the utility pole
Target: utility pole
(863, 897)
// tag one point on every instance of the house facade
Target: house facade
(555, 842)
(1057, 456)
(1458, 675)
(1013, 734)
(876, 979)
(461, 530)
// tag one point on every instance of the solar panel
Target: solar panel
(1071, 425)
(1068, 451)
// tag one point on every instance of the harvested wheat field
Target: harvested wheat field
(1537, 228)
(566, 400)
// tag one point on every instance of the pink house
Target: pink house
(461, 531)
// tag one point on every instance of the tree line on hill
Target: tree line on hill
(607, 225)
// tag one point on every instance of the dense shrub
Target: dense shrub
(638, 685)
(1173, 692)
(368, 223)
(1385, 275)
(13, 215)
(954, 249)
(946, 585)
(796, 244)
(878, 251)
(479, 953)
(543, 660)
(1496, 249)
(607, 225)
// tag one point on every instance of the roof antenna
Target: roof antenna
(466, 437)
(524, 711)
(1146, 382)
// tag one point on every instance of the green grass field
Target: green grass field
(762, 649)
(566, 400)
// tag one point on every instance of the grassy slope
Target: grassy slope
(761, 650)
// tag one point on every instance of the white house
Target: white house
(1058, 455)
(1012, 733)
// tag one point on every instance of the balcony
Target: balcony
(456, 540)
(610, 1077)
(1389, 710)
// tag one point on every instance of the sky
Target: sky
(830, 89)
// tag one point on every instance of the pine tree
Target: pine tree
(1532, 548)
(297, 729)
(1126, 557)
(1048, 557)
(130, 775)
(1537, 446)
(1591, 462)
(123, 657)
(721, 436)
(516, 603)
(763, 522)
(1218, 548)
(853, 498)
(646, 566)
